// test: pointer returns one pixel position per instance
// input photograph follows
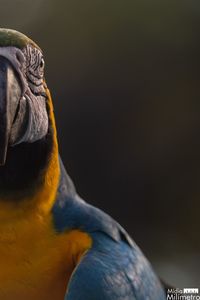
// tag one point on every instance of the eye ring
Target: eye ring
(42, 63)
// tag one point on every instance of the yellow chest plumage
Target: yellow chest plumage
(35, 262)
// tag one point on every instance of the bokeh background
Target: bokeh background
(124, 76)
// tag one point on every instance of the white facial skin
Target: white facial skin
(32, 113)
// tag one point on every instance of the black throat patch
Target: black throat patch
(25, 167)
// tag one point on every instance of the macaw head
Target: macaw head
(26, 118)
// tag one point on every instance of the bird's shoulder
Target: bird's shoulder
(114, 268)
(71, 212)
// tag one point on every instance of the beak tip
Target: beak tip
(3, 158)
(2, 163)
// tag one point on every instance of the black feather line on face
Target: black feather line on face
(35, 70)
(37, 83)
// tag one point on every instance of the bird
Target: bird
(53, 244)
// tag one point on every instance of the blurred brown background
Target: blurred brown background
(124, 76)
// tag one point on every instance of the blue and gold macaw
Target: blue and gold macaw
(53, 245)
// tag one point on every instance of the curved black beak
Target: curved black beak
(10, 95)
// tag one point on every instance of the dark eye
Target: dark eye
(42, 63)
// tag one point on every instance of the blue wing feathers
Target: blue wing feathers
(98, 277)
(114, 271)
(114, 268)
